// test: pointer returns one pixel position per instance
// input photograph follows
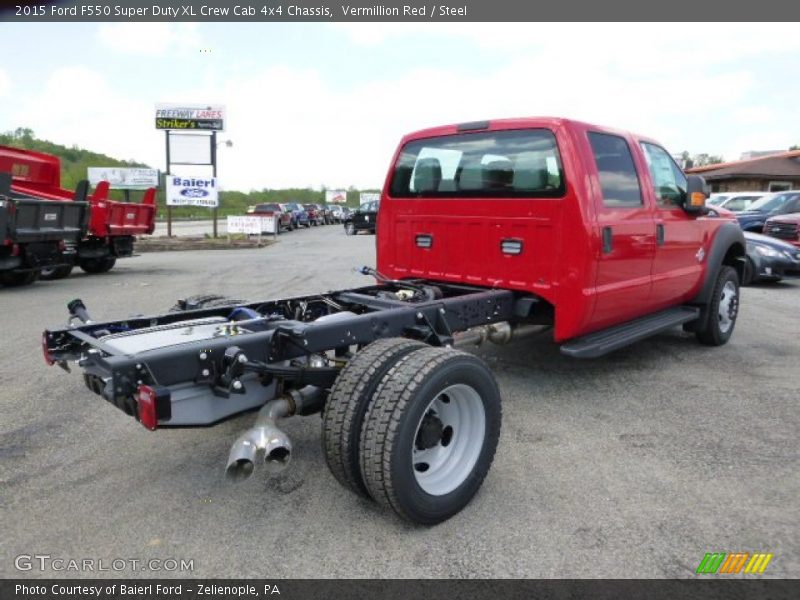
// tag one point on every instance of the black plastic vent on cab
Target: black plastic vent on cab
(473, 126)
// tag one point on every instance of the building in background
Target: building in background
(773, 173)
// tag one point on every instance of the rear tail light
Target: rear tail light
(62, 245)
(153, 403)
(15, 250)
(48, 358)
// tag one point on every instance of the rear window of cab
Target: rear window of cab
(516, 163)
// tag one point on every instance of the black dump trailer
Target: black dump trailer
(37, 234)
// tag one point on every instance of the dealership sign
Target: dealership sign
(192, 191)
(252, 224)
(192, 117)
(335, 196)
(365, 197)
(124, 179)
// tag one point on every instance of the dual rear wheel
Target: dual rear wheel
(413, 427)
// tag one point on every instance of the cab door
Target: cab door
(679, 253)
(625, 233)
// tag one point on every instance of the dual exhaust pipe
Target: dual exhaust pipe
(265, 441)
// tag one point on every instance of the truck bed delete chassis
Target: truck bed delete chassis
(200, 366)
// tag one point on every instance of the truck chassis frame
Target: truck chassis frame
(360, 316)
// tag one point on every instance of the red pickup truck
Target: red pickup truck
(784, 227)
(487, 231)
(112, 225)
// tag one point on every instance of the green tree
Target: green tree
(703, 159)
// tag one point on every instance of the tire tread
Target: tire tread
(347, 403)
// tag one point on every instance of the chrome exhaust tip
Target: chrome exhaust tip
(265, 437)
(277, 459)
(242, 459)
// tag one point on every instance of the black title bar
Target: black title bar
(400, 10)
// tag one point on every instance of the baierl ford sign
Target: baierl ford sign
(192, 191)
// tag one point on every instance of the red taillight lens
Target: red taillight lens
(62, 245)
(146, 401)
(15, 250)
(48, 358)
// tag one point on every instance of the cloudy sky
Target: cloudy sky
(325, 104)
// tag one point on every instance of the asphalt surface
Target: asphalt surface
(634, 465)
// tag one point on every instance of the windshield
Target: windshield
(522, 163)
(770, 203)
(267, 207)
(717, 200)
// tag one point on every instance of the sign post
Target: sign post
(169, 207)
(214, 174)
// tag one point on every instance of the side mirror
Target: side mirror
(694, 201)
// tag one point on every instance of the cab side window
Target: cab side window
(669, 182)
(618, 178)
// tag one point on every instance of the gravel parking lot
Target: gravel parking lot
(634, 465)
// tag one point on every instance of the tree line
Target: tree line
(75, 161)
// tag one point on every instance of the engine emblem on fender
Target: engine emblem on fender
(701, 254)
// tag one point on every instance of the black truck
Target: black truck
(37, 234)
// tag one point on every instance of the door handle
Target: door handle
(659, 234)
(608, 240)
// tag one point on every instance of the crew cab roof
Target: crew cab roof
(515, 123)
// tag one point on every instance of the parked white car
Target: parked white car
(735, 201)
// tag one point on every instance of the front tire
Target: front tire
(347, 404)
(349, 228)
(722, 310)
(430, 434)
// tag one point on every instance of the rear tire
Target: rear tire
(722, 310)
(18, 278)
(53, 273)
(347, 404)
(430, 434)
(97, 265)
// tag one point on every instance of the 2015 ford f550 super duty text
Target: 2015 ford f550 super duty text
(486, 231)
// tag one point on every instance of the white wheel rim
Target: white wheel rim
(441, 468)
(728, 305)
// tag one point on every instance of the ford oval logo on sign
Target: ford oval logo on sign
(194, 193)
